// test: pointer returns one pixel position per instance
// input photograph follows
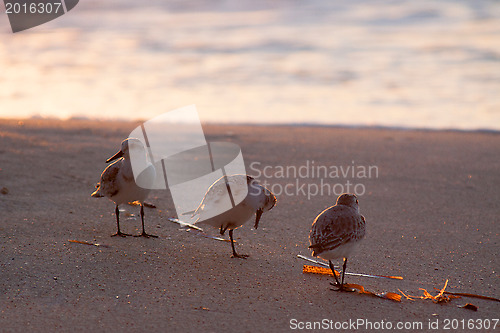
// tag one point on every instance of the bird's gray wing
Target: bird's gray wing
(334, 228)
(108, 184)
(217, 194)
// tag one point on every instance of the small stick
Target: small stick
(86, 243)
(184, 224)
(353, 274)
(201, 233)
(212, 237)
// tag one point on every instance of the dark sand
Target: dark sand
(432, 214)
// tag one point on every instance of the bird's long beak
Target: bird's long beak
(115, 157)
(258, 214)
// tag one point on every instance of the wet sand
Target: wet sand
(431, 210)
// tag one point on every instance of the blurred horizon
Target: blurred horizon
(404, 64)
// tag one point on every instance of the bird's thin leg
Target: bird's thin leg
(343, 272)
(223, 230)
(235, 255)
(144, 234)
(340, 286)
(118, 233)
(337, 284)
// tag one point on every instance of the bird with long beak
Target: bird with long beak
(118, 184)
(258, 200)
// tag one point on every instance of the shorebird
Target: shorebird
(118, 184)
(258, 200)
(336, 231)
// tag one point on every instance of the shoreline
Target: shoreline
(245, 124)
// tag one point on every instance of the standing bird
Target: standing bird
(118, 184)
(336, 232)
(258, 200)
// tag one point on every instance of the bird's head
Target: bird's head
(348, 199)
(127, 146)
(270, 200)
(267, 200)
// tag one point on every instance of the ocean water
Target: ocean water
(417, 64)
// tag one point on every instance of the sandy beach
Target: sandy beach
(431, 210)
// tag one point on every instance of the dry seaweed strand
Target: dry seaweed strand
(469, 306)
(347, 273)
(359, 288)
(473, 295)
(441, 297)
(318, 270)
(446, 296)
(387, 295)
